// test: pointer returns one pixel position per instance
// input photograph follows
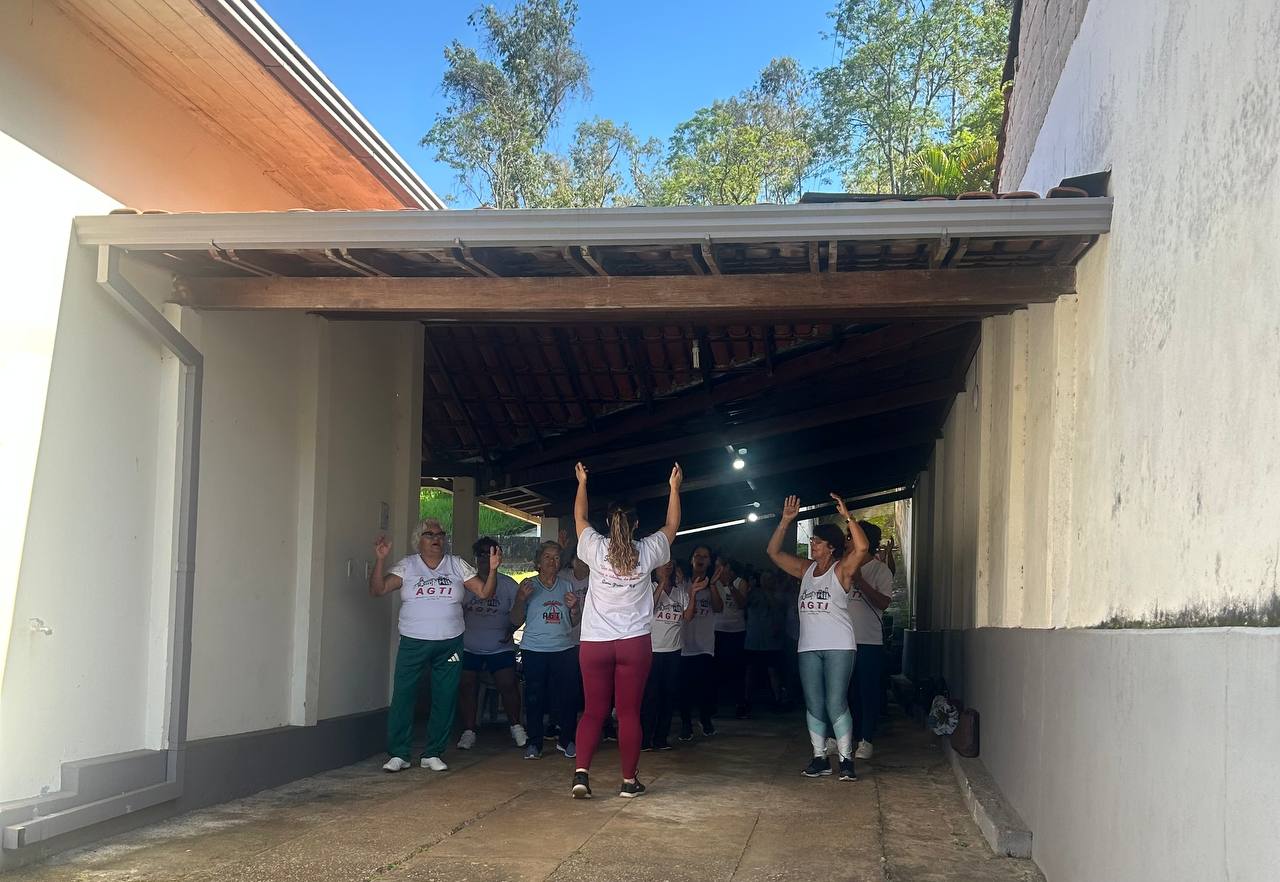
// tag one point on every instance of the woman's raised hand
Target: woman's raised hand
(525, 591)
(495, 558)
(790, 508)
(570, 600)
(677, 476)
(840, 506)
(381, 547)
(700, 584)
(581, 471)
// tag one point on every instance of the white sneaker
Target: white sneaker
(395, 764)
(468, 740)
(518, 734)
(864, 750)
(434, 763)
(833, 749)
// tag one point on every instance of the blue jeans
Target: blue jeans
(824, 677)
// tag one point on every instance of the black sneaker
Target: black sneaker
(818, 768)
(581, 787)
(846, 770)
(646, 748)
(686, 734)
(663, 746)
(631, 789)
(708, 731)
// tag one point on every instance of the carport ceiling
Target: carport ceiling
(829, 340)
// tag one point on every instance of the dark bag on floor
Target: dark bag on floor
(964, 740)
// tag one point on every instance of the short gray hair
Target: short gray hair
(422, 527)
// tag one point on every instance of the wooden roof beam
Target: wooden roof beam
(819, 362)
(646, 299)
(841, 411)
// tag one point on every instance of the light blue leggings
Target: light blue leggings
(824, 676)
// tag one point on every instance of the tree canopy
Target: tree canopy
(911, 104)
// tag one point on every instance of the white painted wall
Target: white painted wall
(1120, 456)
(85, 454)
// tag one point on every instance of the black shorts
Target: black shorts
(498, 661)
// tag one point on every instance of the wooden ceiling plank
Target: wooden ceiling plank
(434, 353)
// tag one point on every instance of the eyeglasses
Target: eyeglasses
(433, 534)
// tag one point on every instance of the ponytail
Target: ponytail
(622, 554)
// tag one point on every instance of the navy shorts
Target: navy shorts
(498, 661)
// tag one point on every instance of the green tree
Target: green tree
(503, 102)
(911, 75)
(596, 171)
(759, 145)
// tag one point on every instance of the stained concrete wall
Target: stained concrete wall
(1135, 755)
(1117, 451)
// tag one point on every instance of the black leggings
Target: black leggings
(731, 665)
(660, 694)
(698, 676)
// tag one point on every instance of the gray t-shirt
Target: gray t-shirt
(488, 622)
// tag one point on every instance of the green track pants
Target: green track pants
(444, 658)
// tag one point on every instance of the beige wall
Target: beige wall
(71, 100)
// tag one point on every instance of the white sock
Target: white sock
(846, 746)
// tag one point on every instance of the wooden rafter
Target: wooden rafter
(794, 370)
(889, 293)
(575, 378)
(434, 352)
(881, 402)
(833, 256)
(504, 364)
(709, 255)
(590, 258)
(815, 257)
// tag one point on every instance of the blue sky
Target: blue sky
(652, 64)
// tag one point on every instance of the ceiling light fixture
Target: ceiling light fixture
(753, 517)
(739, 463)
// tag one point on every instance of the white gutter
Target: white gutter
(260, 35)
(479, 228)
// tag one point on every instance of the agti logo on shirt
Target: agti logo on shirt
(437, 586)
(818, 600)
(551, 612)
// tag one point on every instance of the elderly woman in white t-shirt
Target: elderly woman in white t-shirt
(432, 587)
(827, 644)
(617, 620)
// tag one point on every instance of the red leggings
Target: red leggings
(613, 675)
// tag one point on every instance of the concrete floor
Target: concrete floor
(732, 807)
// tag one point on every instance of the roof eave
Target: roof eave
(1003, 218)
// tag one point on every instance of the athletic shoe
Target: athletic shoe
(846, 770)
(864, 750)
(833, 748)
(819, 768)
(518, 735)
(533, 751)
(468, 740)
(395, 764)
(646, 748)
(570, 750)
(434, 763)
(609, 736)
(551, 733)
(708, 731)
(686, 734)
(581, 786)
(663, 746)
(631, 789)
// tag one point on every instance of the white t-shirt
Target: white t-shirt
(866, 616)
(668, 617)
(432, 599)
(733, 618)
(619, 605)
(824, 612)
(700, 631)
